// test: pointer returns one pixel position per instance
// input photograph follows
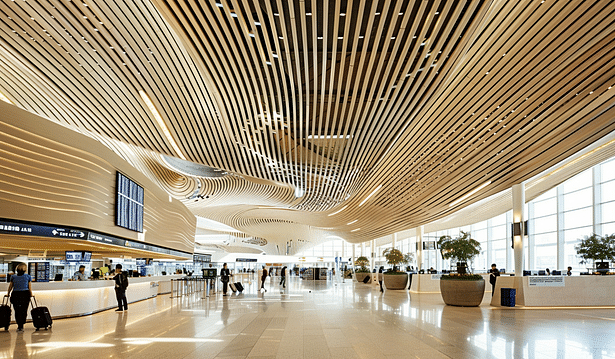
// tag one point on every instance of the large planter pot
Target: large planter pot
(396, 281)
(361, 276)
(462, 293)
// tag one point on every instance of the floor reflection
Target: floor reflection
(320, 319)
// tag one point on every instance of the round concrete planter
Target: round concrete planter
(462, 293)
(361, 276)
(396, 281)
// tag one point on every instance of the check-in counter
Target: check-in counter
(430, 283)
(558, 291)
(65, 299)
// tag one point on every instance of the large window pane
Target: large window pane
(608, 191)
(545, 257)
(608, 212)
(607, 171)
(544, 224)
(546, 207)
(499, 220)
(549, 194)
(574, 235)
(480, 235)
(498, 232)
(579, 218)
(479, 225)
(608, 228)
(545, 238)
(582, 180)
(578, 199)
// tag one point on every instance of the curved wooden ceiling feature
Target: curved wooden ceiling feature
(342, 118)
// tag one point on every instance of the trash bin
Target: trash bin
(508, 297)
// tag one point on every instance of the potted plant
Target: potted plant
(462, 288)
(394, 278)
(597, 248)
(408, 258)
(362, 272)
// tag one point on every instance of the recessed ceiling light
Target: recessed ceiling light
(342, 14)
(257, 23)
(354, 230)
(308, 14)
(319, 37)
(334, 213)
(161, 123)
(377, 13)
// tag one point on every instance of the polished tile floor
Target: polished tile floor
(319, 319)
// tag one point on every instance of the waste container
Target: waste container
(508, 297)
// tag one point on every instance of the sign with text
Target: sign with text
(546, 281)
(245, 259)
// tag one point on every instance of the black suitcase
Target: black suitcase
(5, 313)
(232, 286)
(41, 318)
(366, 279)
(239, 287)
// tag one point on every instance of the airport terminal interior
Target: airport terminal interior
(322, 139)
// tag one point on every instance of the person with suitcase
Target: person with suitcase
(121, 283)
(21, 288)
(225, 275)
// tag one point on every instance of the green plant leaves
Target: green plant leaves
(462, 248)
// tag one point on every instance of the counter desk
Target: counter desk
(67, 299)
(558, 291)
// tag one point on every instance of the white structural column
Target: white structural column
(419, 251)
(363, 249)
(354, 256)
(518, 197)
(373, 250)
(394, 240)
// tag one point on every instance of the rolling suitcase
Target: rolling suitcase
(239, 287)
(5, 313)
(366, 279)
(232, 285)
(41, 318)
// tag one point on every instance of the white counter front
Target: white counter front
(430, 283)
(559, 291)
(79, 298)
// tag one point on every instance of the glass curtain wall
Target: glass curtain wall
(558, 219)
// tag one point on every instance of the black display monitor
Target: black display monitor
(58, 277)
(128, 204)
(210, 273)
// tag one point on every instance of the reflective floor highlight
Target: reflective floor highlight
(319, 319)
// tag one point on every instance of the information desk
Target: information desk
(430, 283)
(559, 291)
(65, 299)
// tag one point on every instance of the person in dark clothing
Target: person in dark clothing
(263, 277)
(21, 286)
(225, 273)
(381, 278)
(493, 274)
(121, 283)
(283, 279)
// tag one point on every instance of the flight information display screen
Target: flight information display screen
(129, 204)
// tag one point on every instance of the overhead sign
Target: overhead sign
(9, 227)
(16, 228)
(245, 260)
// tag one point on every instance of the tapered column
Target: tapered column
(518, 197)
(373, 250)
(419, 251)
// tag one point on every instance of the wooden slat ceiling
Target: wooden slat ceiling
(311, 106)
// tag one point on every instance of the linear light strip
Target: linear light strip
(334, 213)
(469, 194)
(323, 137)
(370, 195)
(354, 230)
(4, 98)
(355, 221)
(161, 123)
